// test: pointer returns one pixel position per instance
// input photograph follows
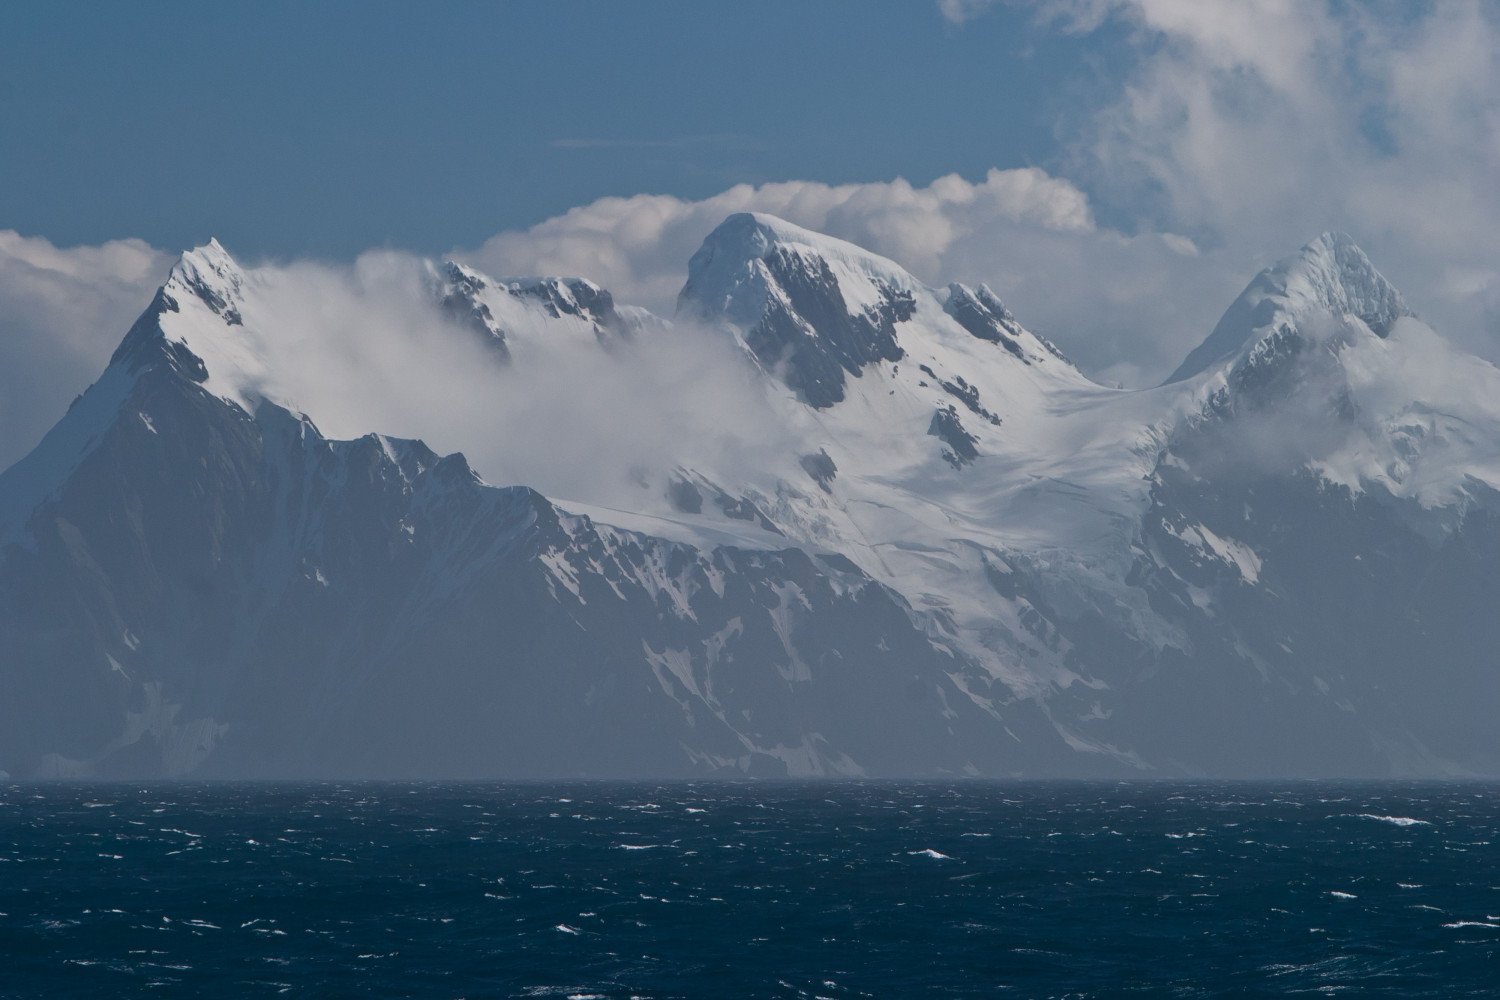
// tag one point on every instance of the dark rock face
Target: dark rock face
(1339, 650)
(960, 389)
(815, 366)
(684, 496)
(744, 509)
(948, 428)
(460, 300)
(1317, 631)
(459, 293)
(982, 314)
(143, 344)
(571, 297)
(821, 467)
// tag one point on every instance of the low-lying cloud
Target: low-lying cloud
(365, 347)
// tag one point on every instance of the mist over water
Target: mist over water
(749, 890)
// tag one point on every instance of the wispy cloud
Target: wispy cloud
(640, 142)
(961, 11)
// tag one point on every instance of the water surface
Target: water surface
(709, 890)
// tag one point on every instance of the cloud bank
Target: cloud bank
(1239, 132)
(1253, 125)
(1127, 308)
(365, 347)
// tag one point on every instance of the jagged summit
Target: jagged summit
(211, 275)
(209, 257)
(558, 295)
(1330, 274)
(811, 308)
(817, 311)
(195, 324)
(505, 310)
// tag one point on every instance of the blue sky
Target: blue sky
(1117, 170)
(298, 128)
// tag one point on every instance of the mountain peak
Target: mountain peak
(196, 326)
(502, 309)
(754, 233)
(1343, 275)
(723, 266)
(210, 273)
(1331, 274)
(818, 311)
(809, 306)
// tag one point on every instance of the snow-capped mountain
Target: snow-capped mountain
(957, 555)
(1329, 278)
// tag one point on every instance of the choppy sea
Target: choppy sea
(727, 890)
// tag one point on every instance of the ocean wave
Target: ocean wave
(1394, 820)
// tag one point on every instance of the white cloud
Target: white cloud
(959, 11)
(1255, 125)
(364, 347)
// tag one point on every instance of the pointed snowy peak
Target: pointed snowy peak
(203, 294)
(212, 275)
(195, 319)
(1330, 277)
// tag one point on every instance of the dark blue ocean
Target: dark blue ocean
(710, 890)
